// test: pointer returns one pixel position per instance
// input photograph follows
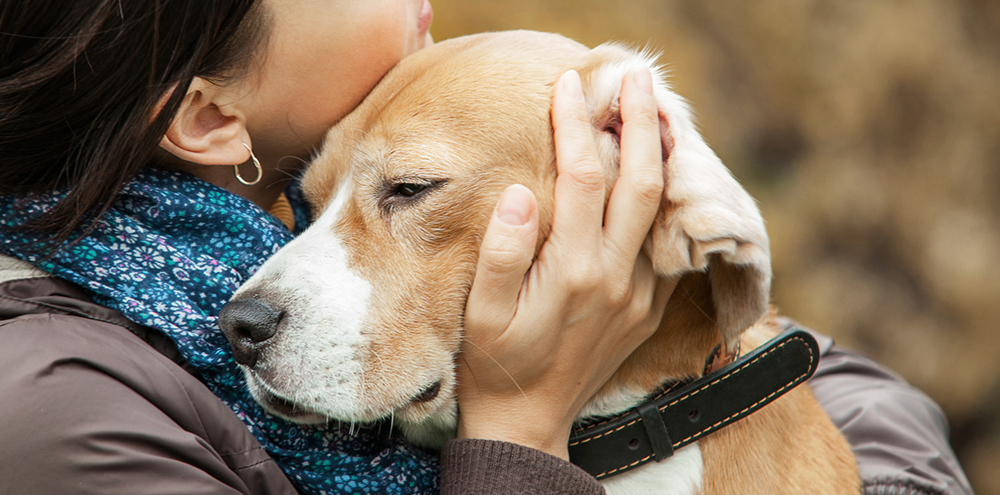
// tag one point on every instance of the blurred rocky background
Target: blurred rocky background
(870, 133)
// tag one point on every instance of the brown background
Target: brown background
(869, 131)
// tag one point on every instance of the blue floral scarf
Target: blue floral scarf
(168, 254)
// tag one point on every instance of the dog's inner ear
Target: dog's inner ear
(613, 126)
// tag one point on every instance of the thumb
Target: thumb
(504, 257)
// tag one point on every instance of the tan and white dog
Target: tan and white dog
(360, 317)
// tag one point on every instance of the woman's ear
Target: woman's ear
(207, 129)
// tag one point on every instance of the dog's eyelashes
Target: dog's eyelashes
(408, 190)
(404, 192)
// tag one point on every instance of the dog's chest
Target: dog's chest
(681, 474)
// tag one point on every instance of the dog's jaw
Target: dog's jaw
(434, 430)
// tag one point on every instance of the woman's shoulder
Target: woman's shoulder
(87, 402)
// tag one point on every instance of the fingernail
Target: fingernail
(644, 80)
(571, 84)
(515, 206)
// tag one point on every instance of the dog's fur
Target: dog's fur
(374, 292)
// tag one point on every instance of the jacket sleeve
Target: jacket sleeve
(898, 434)
(474, 467)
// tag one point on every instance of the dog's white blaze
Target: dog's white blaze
(680, 474)
(325, 304)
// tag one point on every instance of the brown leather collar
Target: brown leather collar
(681, 416)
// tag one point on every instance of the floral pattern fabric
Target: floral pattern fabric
(168, 254)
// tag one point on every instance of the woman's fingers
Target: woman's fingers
(504, 257)
(579, 194)
(636, 196)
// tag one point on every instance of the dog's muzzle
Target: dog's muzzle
(248, 324)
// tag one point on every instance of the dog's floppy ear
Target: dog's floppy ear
(709, 229)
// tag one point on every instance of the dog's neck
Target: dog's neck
(676, 352)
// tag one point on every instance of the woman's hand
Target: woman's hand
(541, 341)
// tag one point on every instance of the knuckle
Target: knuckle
(648, 187)
(584, 278)
(587, 173)
(620, 295)
(501, 260)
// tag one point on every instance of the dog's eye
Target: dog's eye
(408, 190)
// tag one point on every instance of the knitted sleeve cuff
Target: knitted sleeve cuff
(475, 466)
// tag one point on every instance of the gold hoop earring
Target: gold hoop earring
(256, 163)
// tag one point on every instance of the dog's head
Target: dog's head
(360, 317)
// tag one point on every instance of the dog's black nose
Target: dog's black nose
(247, 323)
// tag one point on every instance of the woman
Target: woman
(116, 118)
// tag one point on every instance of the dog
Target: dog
(360, 318)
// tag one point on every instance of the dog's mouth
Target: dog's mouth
(428, 394)
(282, 407)
(275, 403)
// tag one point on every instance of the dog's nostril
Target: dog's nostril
(246, 323)
(429, 393)
(249, 319)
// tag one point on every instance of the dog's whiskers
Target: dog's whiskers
(362, 390)
(382, 378)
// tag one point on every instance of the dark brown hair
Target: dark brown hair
(80, 83)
